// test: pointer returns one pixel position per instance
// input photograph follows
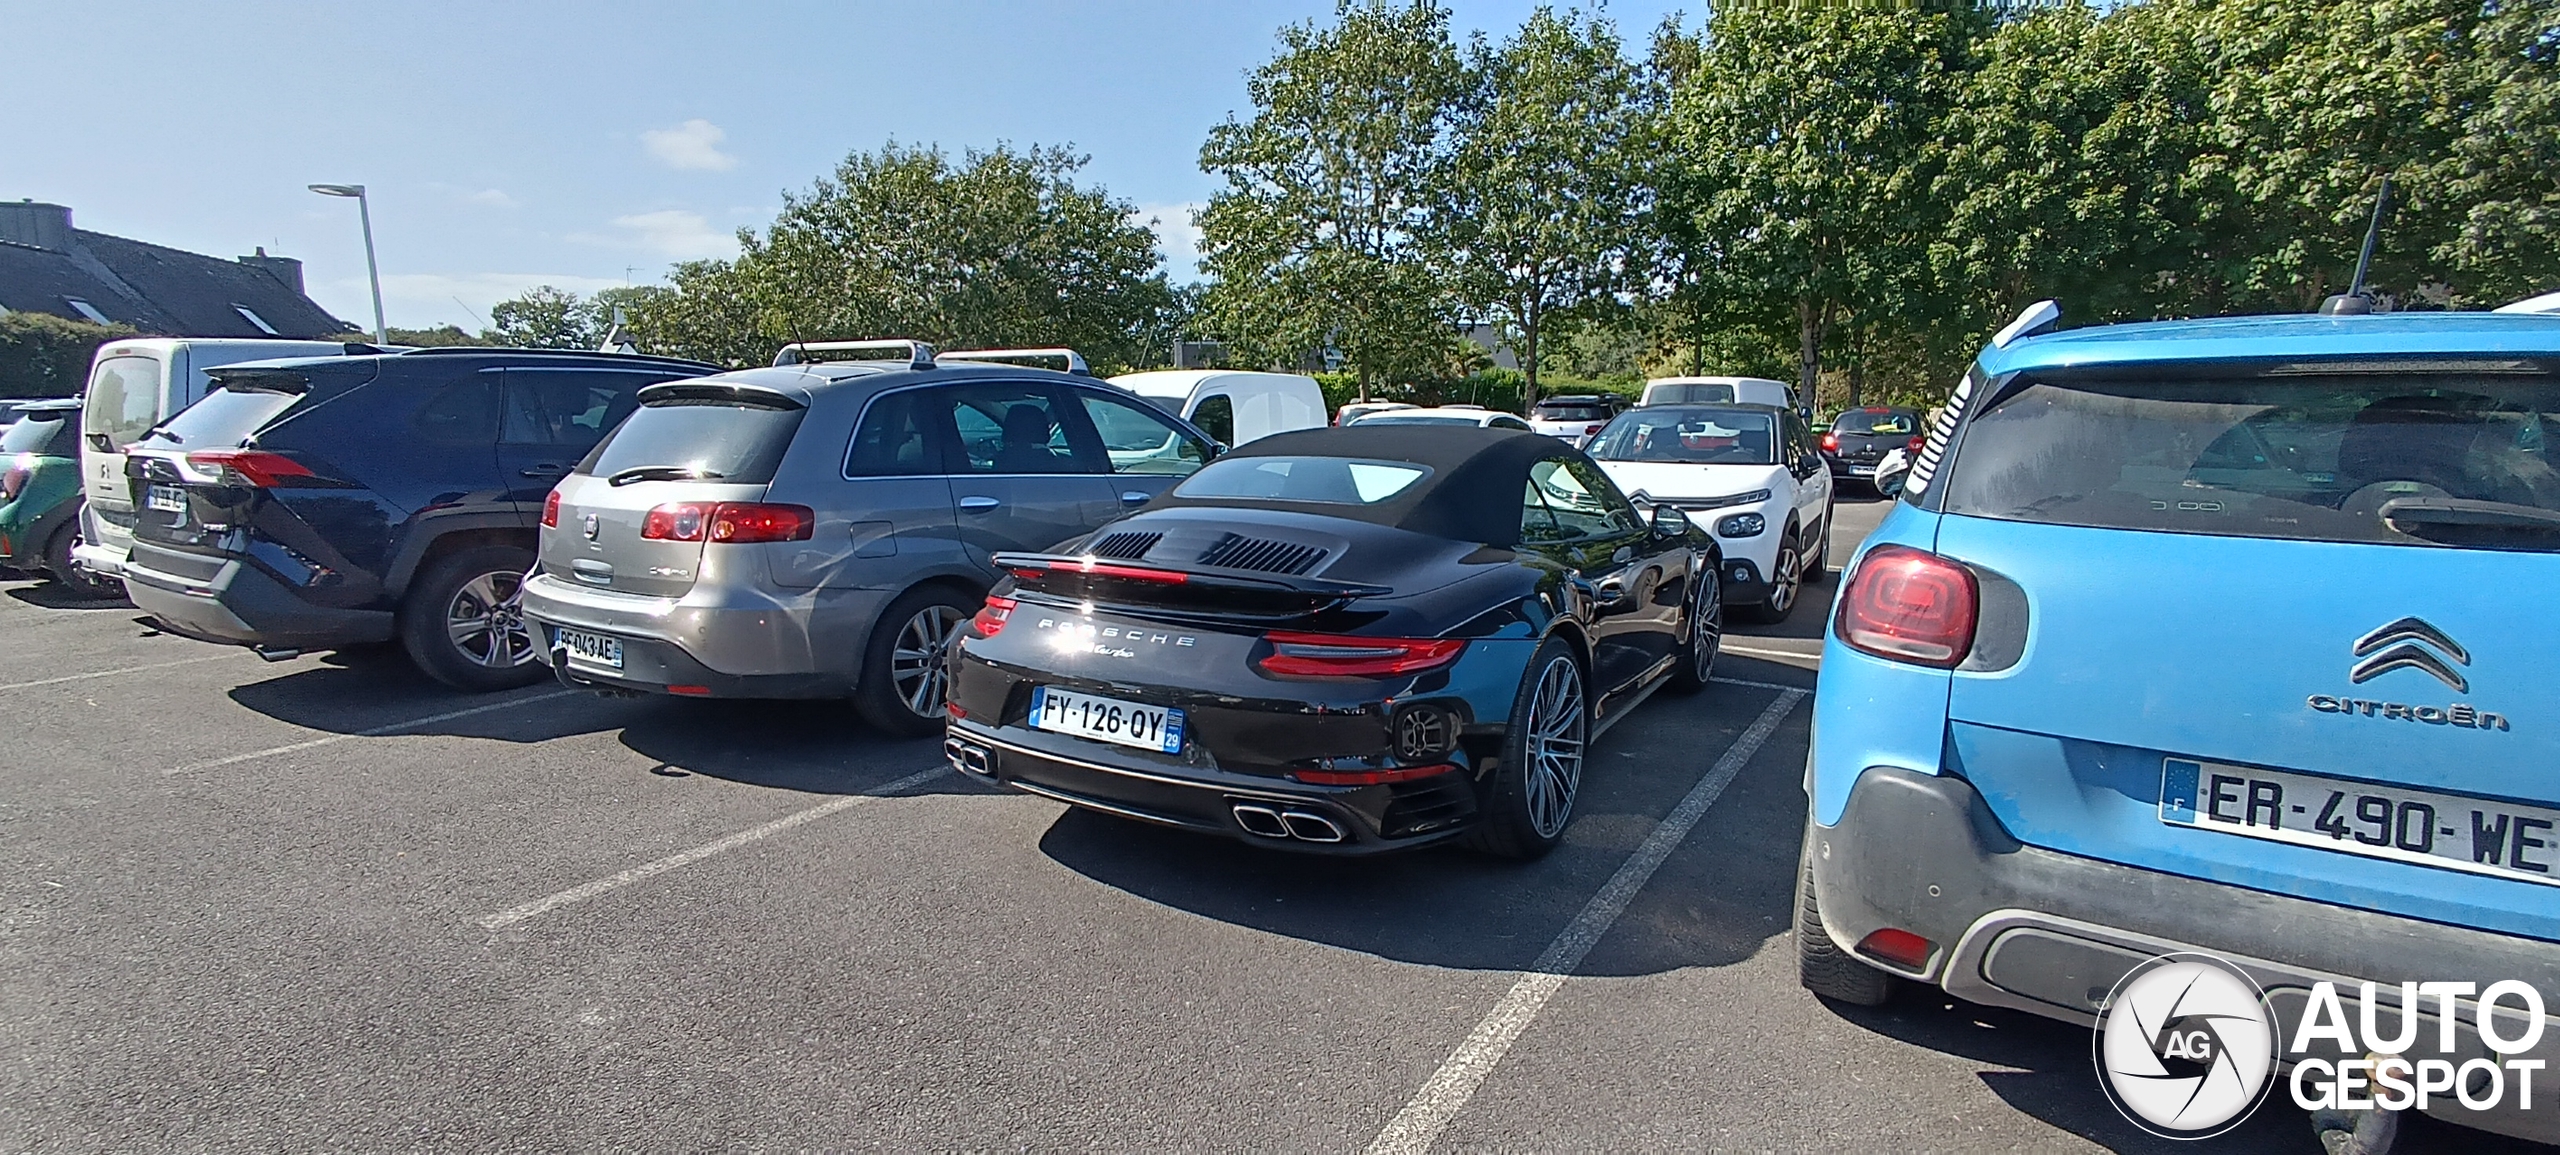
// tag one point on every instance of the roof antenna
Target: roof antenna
(2354, 302)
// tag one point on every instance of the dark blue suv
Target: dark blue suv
(312, 504)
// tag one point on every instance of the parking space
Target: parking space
(324, 903)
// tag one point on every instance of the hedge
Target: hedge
(42, 355)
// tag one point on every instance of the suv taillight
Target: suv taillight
(732, 522)
(1296, 655)
(256, 468)
(1910, 605)
(551, 510)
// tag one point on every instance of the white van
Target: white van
(1719, 390)
(134, 385)
(1233, 406)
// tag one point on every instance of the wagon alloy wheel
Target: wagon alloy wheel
(484, 623)
(915, 662)
(1558, 721)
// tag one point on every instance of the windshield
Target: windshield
(1330, 480)
(1689, 435)
(696, 439)
(2406, 458)
(124, 400)
(1876, 422)
(46, 434)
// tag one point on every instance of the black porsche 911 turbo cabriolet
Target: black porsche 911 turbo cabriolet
(1340, 640)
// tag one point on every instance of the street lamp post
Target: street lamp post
(373, 272)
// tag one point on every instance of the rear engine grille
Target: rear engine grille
(1262, 555)
(1127, 545)
(1427, 804)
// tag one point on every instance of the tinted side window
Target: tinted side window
(1581, 499)
(1216, 416)
(463, 413)
(1004, 428)
(898, 437)
(573, 408)
(1138, 441)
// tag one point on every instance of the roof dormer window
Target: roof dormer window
(86, 309)
(253, 318)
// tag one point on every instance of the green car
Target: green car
(40, 494)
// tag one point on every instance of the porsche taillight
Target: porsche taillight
(1301, 655)
(992, 616)
(1910, 605)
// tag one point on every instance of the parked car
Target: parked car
(40, 494)
(1859, 438)
(1359, 409)
(1575, 417)
(820, 530)
(1475, 415)
(314, 504)
(1746, 473)
(1231, 406)
(134, 385)
(1721, 390)
(1345, 641)
(2217, 635)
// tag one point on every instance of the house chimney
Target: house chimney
(31, 222)
(285, 269)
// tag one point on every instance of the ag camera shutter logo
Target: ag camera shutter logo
(2185, 1046)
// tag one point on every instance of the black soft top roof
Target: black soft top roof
(1472, 493)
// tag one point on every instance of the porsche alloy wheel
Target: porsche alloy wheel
(1559, 722)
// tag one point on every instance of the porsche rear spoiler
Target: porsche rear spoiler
(1223, 592)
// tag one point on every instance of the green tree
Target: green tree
(439, 336)
(1543, 192)
(1799, 161)
(42, 355)
(1321, 237)
(1002, 248)
(544, 317)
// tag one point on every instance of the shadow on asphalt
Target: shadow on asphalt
(55, 596)
(363, 688)
(815, 747)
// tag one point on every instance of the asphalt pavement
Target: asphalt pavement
(326, 903)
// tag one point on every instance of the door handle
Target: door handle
(978, 504)
(545, 469)
(1134, 497)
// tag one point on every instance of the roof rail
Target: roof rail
(919, 355)
(1074, 360)
(507, 351)
(2546, 303)
(2035, 319)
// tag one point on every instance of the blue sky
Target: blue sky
(585, 144)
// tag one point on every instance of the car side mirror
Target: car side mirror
(1670, 521)
(1218, 449)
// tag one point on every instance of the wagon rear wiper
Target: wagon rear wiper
(663, 473)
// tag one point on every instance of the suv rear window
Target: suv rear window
(1887, 423)
(226, 416)
(1572, 411)
(716, 439)
(2406, 454)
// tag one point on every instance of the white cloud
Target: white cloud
(695, 144)
(674, 233)
(1176, 237)
(491, 198)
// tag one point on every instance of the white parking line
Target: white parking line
(516, 914)
(1772, 652)
(1757, 685)
(1414, 1129)
(375, 732)
(114, 672)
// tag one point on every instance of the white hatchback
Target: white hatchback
(1475, 415)
(1747, 474)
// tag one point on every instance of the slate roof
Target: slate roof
(158, 290)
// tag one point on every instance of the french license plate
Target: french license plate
(1155, 728)
(2453, 831)
(1861, 470)
(592, 649)
(165, 498)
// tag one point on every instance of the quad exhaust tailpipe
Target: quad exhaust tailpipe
(1305, 826)
(967, 757)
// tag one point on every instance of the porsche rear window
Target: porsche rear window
(1327, 480)
(2406, 457)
